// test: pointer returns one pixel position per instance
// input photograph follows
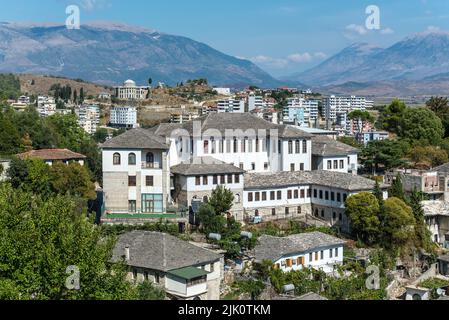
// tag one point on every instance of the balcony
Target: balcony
(151, 165)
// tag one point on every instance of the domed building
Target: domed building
(130, 91)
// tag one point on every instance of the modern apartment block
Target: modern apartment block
(123, 117)
(335, 106)
(300, 111)
(130, 91)
(88, 117)
(255, 102)
(46, 106)
(268, 167)
(231, 105)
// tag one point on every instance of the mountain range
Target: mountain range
(419, 64)
(109, 53)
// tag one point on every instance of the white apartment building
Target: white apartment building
(342, 105)
(269, 168)
(302, 111)
(255, 102)
(46, 106)
(231, 105)
(130, 91)
(88, 117)
(307, 250)
(123, 117)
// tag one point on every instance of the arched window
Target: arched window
(322, 213)
(237, 198)
(132, 159)
(150, 160)
(117, 159)
(205, 199)
(257, 213)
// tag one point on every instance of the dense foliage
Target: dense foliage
(40, 238)
(26, 130)
(9, 87)
(213, 220)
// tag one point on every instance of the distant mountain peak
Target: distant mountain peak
(415, 58)
(108, 25)
(110, 52)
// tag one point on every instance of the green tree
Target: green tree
(423, 236)
(72, 179)
(81, 98)
(147, 291)
(391, 117)
(378, 193)
(421, 124)
(397, 188)
(398, 224)
(210, 221)
(440, 106)
(252, 287)
(351, 141)
(363, 210)
(101, 135)
(221, 200)
(41, 239)
(429, 156)
(387, 154)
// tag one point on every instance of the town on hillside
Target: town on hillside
(224, 194)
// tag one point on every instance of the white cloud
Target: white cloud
(433, 29)
(320, 55)
(281, 63)
(387, 31)
(357, 29)
(300, 57)
(270, 61)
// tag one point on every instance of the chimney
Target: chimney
(127, 254)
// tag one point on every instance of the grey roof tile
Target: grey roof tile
(136, 139)
(324, 146)
(205, 166)
(273, 248)
(159, 251)
(344, 181)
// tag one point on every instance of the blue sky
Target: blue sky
(282, 37)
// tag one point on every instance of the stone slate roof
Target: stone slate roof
(161, 252)
(442, 169)
(136, 139)
(326, 147)
(435, 208)
(52, 154)
(205, 166)
(232, 121)
(273, 248)
(344, 181)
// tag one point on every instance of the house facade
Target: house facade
(307, 250)
(268, 167)
(183, 270)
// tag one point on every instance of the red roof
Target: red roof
(52, 154)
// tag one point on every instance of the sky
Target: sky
(280, 36)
